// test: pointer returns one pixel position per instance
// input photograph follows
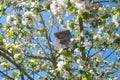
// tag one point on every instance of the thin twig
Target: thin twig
(96, 52)
(90, 49)
(103, 1)
(38, 57)
(46, 33)
(110, 54)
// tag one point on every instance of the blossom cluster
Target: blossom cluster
(28, 39)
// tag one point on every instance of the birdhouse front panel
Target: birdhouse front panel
(63, 39)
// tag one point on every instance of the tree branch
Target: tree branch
(22, 77)
(38, 57)
(48, 41)
(5, 51)
(46, 33)
(40, 46)
(81, 27)
(14, 63)
(6, 75)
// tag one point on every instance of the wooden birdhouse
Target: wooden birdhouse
(63, 39)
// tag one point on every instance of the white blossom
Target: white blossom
(88, 3)
(111, 63)
(32, 61)
(7, 1)
(66, 75)
(80, 6)
(58, 6)
(72, 1)
(81, 63)
(74, 39)
(76, 50)
(110, 70)
(53, 8)
(61, 2)
(29, 14)
(103, 10)
(17, 55)
(114, 20)
(97, 36)
(22, 4)
(10, 50)
(82, 34)
(91, 71)
(2, 64)
(29, 18)
(97, 57)
(62, 57)
(35, 4)
(68, 27)
(60, 65)
(12, 19)
(60, 50)
(24, 22)
(6, 42)
(110, 78)
(8, 19)
(115, 78)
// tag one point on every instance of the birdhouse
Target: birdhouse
(63, 39)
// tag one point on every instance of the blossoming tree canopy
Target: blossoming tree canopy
(28, 47)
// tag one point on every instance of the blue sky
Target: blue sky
(111, 4)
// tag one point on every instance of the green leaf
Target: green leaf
(84, 78)
(73, 10)
(71, 24)
(1, 36)
(8, 25)
(29, 1)
(64, 52)
(3, 8)
(69, 4)
(66, 65)
(69, 57)
(10, 34)
(15, 75)
(14, 48)
(47, 7)
(80, 17)
(117, 40)
(88, 76)
(87, 15)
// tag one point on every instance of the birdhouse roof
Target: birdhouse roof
(62, 33)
